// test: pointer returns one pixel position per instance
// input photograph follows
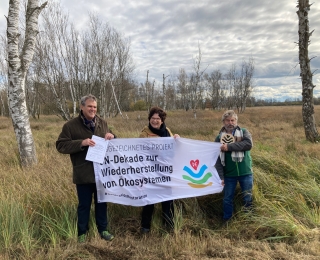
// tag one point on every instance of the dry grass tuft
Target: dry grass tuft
(38, 204)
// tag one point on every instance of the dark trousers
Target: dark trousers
(85, 192)
(167, 214)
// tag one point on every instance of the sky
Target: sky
(165, 36)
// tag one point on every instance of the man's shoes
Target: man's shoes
(82, 238)
(144, 230)
(106, 236)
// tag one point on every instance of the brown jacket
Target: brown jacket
(146, 132)
(69, 142)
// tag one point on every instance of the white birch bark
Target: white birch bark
(18, 64)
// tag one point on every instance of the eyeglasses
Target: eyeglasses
(156, 118)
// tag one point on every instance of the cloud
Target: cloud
(165, 36)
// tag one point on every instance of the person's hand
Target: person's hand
(88, 142)
(224, 148)
(109, 136)
(222, 182)
(176, 136)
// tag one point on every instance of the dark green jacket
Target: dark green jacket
(69, 142)
(231, 168)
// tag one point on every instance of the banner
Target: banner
(141, 171)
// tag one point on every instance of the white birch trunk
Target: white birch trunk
(18, 64)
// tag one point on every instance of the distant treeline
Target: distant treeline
(287, 102)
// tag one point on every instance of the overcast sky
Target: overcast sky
(165, 35)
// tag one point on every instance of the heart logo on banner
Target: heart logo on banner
(194, 164)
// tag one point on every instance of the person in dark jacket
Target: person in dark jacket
(234, 162)
(157, 128)
(75, 140)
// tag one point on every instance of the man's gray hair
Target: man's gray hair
(85, 98)
(229, 113)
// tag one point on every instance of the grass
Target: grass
(38, 204)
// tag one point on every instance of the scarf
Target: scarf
(237, 136)
(89, 123)
(162, 132)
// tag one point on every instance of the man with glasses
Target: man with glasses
(75, 139)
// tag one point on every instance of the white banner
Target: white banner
(141, 171)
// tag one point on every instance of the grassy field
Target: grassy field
(38, 204)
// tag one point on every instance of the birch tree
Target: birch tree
(3, 76)
(310, 129)
(18, 64)
(164, 92)
(171, 94)
(214, 88)
(246, 82)
(149, 92)
(50, 59)
(231, 90)
(195, 82)
(182, 86)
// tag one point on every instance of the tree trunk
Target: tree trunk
(310, 129)
(18, 64)
(164, 93)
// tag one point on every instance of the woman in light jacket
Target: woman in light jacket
(157, 128)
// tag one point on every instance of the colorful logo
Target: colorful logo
(195, 180)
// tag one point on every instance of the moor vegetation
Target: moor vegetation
(38, 204)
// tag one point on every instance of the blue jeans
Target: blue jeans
(85, 192)
(230, 183)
